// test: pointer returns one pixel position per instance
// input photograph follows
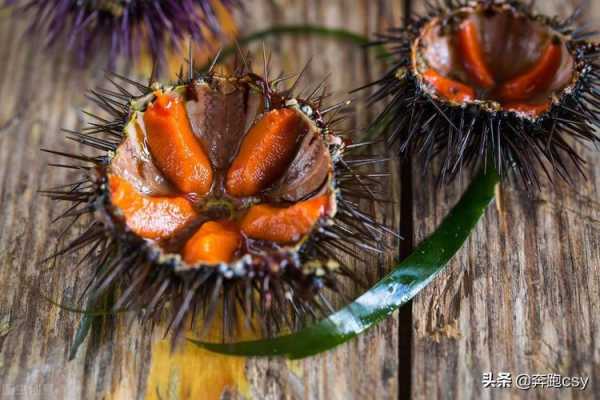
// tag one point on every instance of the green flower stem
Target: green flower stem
(396, 289)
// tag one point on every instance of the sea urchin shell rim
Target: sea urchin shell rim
(240, 266)
(490, 105)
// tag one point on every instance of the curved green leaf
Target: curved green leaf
(396, 289)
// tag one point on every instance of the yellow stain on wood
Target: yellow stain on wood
(125, 389)
(193, 373)
(296, 367)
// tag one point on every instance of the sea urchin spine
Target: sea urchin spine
(220, 190)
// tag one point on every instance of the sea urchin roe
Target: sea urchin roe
(494, 56)
(266, 152)
(472, 55)
(214, 242)
(450, 89)
(173, 146)
(283, 225)
(538, 78)
(149, 217)
(241, 181)
(132, 162)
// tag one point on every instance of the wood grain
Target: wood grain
(523, 296)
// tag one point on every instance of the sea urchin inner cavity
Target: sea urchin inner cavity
(496, 56)
(258, 184)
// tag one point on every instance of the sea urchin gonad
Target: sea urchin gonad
(126, 26)
(220, 190)
(479, 81)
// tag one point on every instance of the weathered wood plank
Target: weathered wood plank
(42, 93)
(521, 297)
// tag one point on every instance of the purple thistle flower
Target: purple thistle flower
(124, 26)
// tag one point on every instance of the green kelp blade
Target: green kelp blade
(397, 288)
(308, 30)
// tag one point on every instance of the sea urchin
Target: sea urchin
(479, 81)
(126, 26)
(220, 190)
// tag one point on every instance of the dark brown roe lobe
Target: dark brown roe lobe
(212, 177)
(496, 57)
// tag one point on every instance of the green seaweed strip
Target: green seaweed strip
(305, 30)
(90, 322)
(396, 289)
(85, 324)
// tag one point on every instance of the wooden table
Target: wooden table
(523, 295)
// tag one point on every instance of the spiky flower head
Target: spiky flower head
(491, 81)
(220, 190)
(126, 27)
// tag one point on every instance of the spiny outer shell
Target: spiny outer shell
(469, 135)
(280, 291)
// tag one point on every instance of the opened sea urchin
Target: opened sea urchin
(479, 81)
(220, 190)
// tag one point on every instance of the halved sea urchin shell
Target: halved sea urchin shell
(479, 81)
(220, 190)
